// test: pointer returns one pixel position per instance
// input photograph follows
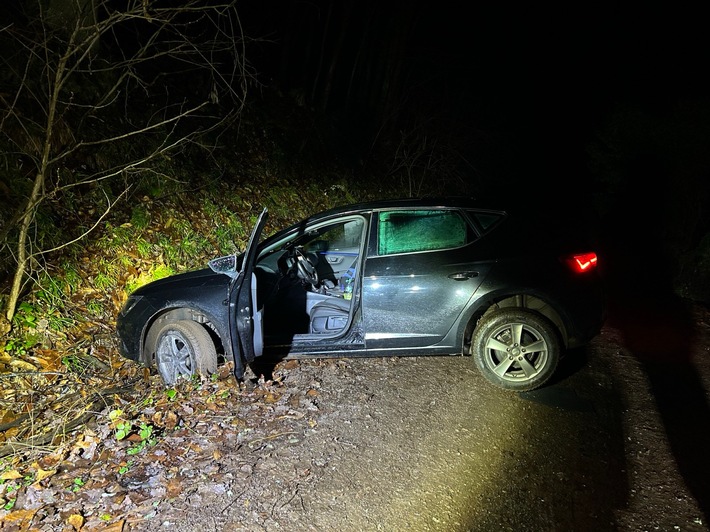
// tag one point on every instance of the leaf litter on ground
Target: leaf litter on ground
(141, 446)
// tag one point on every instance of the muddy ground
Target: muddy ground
(421, 444)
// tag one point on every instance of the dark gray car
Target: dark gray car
(388, 278)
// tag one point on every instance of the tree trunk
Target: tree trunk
(23, 258)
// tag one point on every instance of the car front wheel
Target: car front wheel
(182, 349)
(516, 349)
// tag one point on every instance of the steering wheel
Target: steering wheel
(305, 267)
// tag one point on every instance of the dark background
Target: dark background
(542, 78)
(600, 108)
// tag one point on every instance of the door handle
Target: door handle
(462, 276)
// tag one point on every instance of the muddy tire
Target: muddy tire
(182, 349)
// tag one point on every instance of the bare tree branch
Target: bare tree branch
(109, 206)
(99, 81)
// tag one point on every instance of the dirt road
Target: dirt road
(425, 444)
(415, 444)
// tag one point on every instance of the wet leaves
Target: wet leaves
(194, 440)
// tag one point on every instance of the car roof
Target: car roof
(526, 216)
(456, 202)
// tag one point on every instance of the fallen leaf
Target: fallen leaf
(20, 518)
(10, 433)
(194, 447)
(271, 398)
(87, 444)
(50, 460)
(76, 520)
(170, 420)
(173, 487)
(12, 474)
(25, 366)
(44, 473)
(49, 362)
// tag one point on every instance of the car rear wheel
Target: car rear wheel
(182, 349)
(516, 349)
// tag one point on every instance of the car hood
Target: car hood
(199, 279)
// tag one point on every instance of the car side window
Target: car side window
(336, 237)
(334, 247)
(405, 231)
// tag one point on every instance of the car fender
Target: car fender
(517, 296)
(175, 310)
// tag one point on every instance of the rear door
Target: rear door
(245, 321)
(419, 276)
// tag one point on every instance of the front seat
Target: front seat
(330, 316)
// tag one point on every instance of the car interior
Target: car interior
(307, 280)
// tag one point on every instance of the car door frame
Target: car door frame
(352, 339)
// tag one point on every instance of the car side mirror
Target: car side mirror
(226, 265)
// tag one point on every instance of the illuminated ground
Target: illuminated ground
(427, 445)
(400, 444)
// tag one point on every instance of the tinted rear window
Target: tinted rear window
(420, 230)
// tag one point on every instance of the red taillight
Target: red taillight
(582, 262)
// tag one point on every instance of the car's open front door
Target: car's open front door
(245, 319)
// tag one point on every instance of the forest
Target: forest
(142, 138)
